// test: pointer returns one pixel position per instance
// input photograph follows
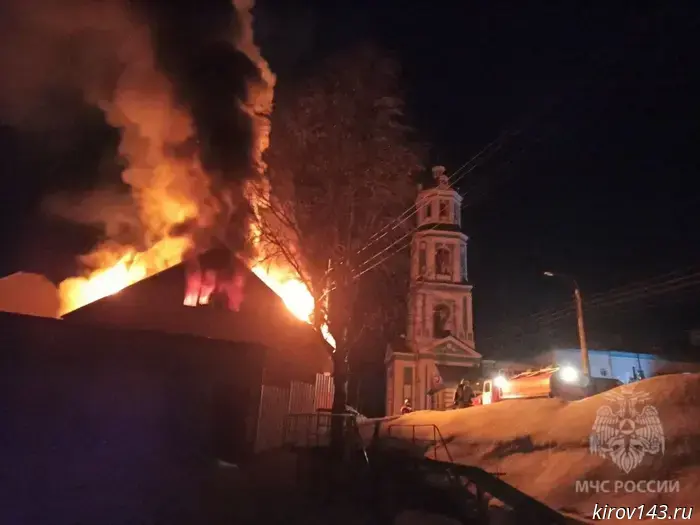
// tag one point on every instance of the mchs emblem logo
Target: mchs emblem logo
(628, 430)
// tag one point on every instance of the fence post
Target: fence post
(287, 417)
(257, 424)
(435, 444)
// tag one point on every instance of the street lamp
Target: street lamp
(579, 319)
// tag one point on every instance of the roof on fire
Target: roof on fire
(156, 303)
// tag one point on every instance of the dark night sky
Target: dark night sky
(599, 182)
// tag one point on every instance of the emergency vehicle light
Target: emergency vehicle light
(569, 374)
(500, 382)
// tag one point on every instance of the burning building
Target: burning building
(162, 362)
(121, 412)
(215, 296)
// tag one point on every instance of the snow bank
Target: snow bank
(542, 446)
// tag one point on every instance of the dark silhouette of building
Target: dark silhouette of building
(122, 412)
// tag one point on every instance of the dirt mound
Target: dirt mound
(543, 445)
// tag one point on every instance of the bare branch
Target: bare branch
(341, 163)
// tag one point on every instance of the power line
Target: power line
(413, 230)
(397, 241)
(358, 275)
(622, 292)
(645, 282)
(671, 286)
(635, 292)
(413, 209)
(601, 60)
(407, 234)
(521, 331)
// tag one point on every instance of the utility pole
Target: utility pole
(585, 361)
(578, 301)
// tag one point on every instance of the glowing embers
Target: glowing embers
(210, 286)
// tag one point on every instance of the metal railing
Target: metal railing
(314, 429)
(438, 438)
(476, 482)
(489, 485)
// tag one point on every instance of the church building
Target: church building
(438, 349)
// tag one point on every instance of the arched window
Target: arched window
(444, 213)
(442, 321)
(422, 260)
(463, 262)
(443, 260)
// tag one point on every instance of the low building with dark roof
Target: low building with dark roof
(125, 410)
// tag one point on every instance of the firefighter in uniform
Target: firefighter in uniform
(463, 395)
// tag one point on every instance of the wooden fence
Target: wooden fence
(276, 403)
(323, 396)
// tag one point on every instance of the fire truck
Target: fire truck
(552, 381)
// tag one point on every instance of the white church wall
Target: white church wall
(389, 408)
(439, 205)
(401, 383)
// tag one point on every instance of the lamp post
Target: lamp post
(585, 362)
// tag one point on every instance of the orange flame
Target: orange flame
(295, 294)
(119, 268)
(277, 272)
(169, 190)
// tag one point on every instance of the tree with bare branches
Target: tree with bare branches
(342, 165)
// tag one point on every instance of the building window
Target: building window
(444, 211)
(408, 375)
(456, 211)
(408, 383)
(428, 210)
(442, 321)
(390, 391)
(422, 260)
(463, 261)
(465, 317)
(603, 372)
(443, 260)
(420, 314)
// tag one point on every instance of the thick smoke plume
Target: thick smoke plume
(191, 94)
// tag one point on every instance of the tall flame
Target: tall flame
(277, 272)
(118, 268)
(295, 294)
(122, 269)
(169, 186)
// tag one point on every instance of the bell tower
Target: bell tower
(438, 346)
(441, 295)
